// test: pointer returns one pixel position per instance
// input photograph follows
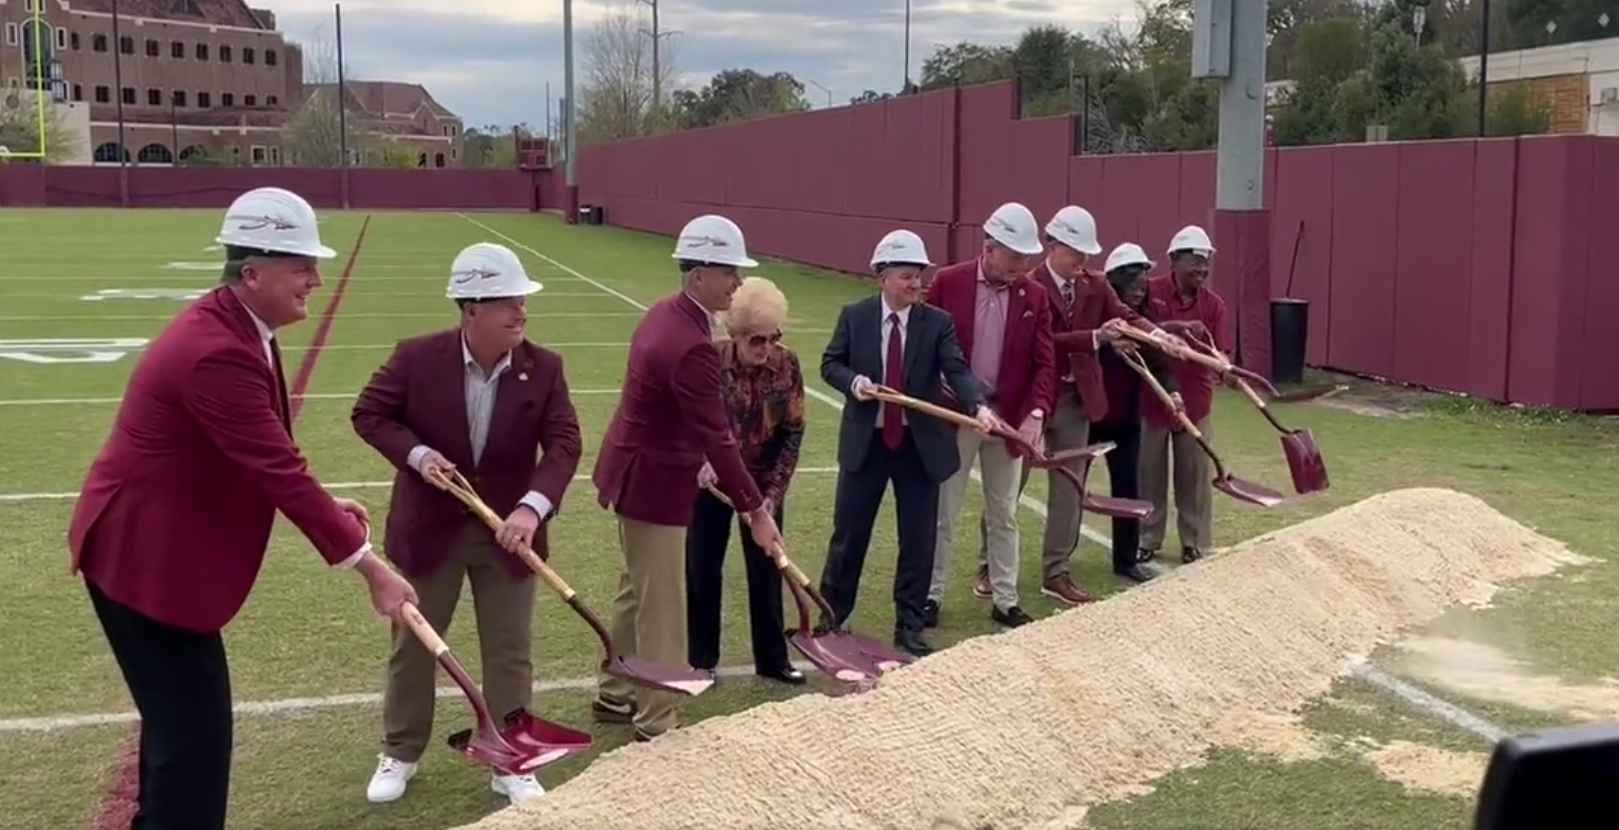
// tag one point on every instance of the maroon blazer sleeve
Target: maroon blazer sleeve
(696, 384)
(231, 400)
(1045, 359)
(379, 412)
(560, 443)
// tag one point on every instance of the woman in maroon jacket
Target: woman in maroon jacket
(1127, 268)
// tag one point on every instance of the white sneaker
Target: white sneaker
(517, 788)
(388, 782)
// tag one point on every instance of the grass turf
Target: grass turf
(308, 633)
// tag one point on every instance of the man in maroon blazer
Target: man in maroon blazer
(671, 417)
(1003, 322)
(483, 399)
(171, 525)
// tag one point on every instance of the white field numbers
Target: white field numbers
(182, 295)
(53, 352)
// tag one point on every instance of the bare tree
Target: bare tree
(22, 113)
(616, 90)
(315, 132)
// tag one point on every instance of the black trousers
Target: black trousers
(1122, 472)
(180, 682)
(707, 540)
(854, 512)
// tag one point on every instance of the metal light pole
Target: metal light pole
(569, 145)
(1484, 69)
(906, 87)
(342, 94)
(817, 85)
(118, 81)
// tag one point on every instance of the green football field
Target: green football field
(84, 291)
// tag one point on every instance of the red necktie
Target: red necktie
(1068, 294)
(893, 375)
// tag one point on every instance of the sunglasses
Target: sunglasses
(757, 340)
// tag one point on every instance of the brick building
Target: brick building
(195, 78)
(406, 113)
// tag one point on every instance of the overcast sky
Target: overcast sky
(490, 60)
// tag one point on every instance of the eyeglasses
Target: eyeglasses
(758, 340)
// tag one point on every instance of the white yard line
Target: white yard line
(1033, 504)
(1427, 703)
(312, 396)
(253, 708)
(339, 485)
(614, 344)
(360, 315)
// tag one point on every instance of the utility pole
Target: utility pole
(657, 34)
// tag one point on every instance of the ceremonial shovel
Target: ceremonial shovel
(1223, 481)
(1057, 462)
(525, 744)
(686, 681)
(841, 654)
(1210, 358)
(1304, 461)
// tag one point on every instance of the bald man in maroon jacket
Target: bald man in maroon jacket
(671, 417)
(172, 523)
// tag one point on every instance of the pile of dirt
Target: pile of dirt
(1020, 729)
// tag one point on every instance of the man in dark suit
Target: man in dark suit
(671, 417)
(896, 340)
(479, 397)
(171, 525)
(1003, 322)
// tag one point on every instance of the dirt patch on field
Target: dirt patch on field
(1019, 729)
(1485, 672)
(1428, 768)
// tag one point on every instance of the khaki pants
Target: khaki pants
(649, 617)
(1167, 455)
(1001, 473)
(1067, 428)
(503, 609)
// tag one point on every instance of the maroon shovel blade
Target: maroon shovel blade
(1118, 508)
(1304, 462)
(839, 654)
(1248, 491)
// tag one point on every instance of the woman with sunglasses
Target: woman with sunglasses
(764, 392)
(1127, 268)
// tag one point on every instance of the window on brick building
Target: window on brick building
(126, 45)
(179, 97)
(227, 99)
(202, 52)
(154, 97)
(250, 100)
(73, 41)
(98, 43)
(153, 49)
(103, 95)
(129, 95)
(269, 57)
(204, 100)
(78, 92)
(177, 50)
(224, 54)
(247, 54)
(271, 101)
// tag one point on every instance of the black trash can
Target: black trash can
(598, 215)
(1289, 335)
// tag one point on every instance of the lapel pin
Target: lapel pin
(523, 376)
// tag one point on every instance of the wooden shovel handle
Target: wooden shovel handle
(1136, 362)
(458, 486)
(895, 397)
(778, 551)
(424, 631)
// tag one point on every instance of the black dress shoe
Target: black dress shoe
(786, 674)
(1011, 618)
(930, 614)
(1140, 573)
(910, 641)
(1190, 555)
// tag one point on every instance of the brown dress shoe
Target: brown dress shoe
(981, 588)
(1063, 590)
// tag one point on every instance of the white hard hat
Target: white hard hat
(1127, 254)
(275, 220)
(487, 271)
(1014, 226)
(1075, 227)
(900, 248)
(714, 240)
(1191, 238)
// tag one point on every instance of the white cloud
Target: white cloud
(490, 60)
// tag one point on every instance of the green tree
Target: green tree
(20, 111)
(965, 63)
(1317, 110)
(739, 95)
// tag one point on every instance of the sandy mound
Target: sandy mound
(1086, 707)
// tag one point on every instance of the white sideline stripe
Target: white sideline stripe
(1033, 504)
(355, 290)
(309, 396)
(1422, 701)
(360, 315)
(340, 485)
(254, 708)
